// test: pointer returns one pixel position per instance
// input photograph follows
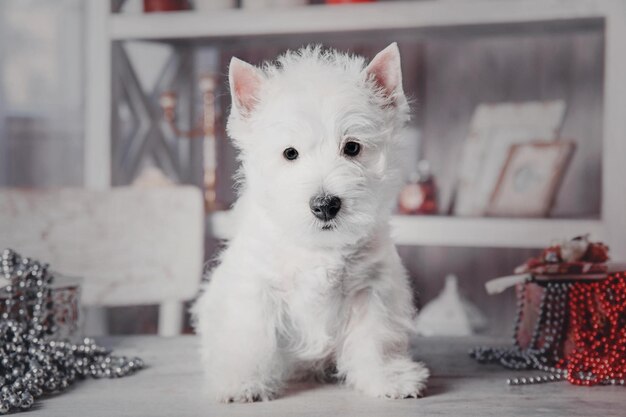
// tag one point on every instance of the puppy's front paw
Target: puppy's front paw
(246, 395)
(400, 379)
(405, 380)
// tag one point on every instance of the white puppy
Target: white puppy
(312, 281)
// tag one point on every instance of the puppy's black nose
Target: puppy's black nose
(325, 207)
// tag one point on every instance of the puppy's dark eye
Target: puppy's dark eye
(290, 154)
(351, 148)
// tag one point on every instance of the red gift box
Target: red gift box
(531, 293)
(571, 319)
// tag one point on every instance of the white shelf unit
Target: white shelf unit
(349, 18)
(208, 28)
(457, 231)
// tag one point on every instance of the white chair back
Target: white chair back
(131, 245)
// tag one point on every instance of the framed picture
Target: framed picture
(530, 179)
(493, 129)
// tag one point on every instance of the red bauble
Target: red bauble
(164, 5)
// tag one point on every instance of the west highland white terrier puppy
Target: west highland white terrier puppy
(311, 281)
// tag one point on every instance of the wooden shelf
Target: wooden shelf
(462, 231)
(349, 18)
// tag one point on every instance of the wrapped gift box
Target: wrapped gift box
(64, 297)
(531, 293)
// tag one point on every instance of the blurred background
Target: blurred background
(514, 142)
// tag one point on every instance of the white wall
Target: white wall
(41, 92)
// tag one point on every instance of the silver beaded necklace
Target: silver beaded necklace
(551, 323)
(32, 362)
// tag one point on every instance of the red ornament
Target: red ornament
(164, 5)
(596, 252)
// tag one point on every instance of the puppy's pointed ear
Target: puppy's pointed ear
(386, 71)
(245, 82)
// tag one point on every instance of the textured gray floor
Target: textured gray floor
(172, 386)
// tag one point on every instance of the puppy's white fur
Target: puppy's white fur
(293, 294)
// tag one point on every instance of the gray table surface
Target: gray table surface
(172, 386)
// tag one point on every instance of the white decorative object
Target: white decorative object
(449, 314)
(572, 250)
(494, 128)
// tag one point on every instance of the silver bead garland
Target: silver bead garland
(551, 322)
(32, 363)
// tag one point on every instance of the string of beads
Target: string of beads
(594, 313)
(598, 324)
(32, 362)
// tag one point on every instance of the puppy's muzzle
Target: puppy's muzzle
(325, 207)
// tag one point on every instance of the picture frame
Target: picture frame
(493, 129)
(530, 179)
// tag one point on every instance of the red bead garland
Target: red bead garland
(597, 313)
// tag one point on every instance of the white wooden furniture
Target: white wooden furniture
(188, 28)
(172, 385)
(459, 231)
(131, 245)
